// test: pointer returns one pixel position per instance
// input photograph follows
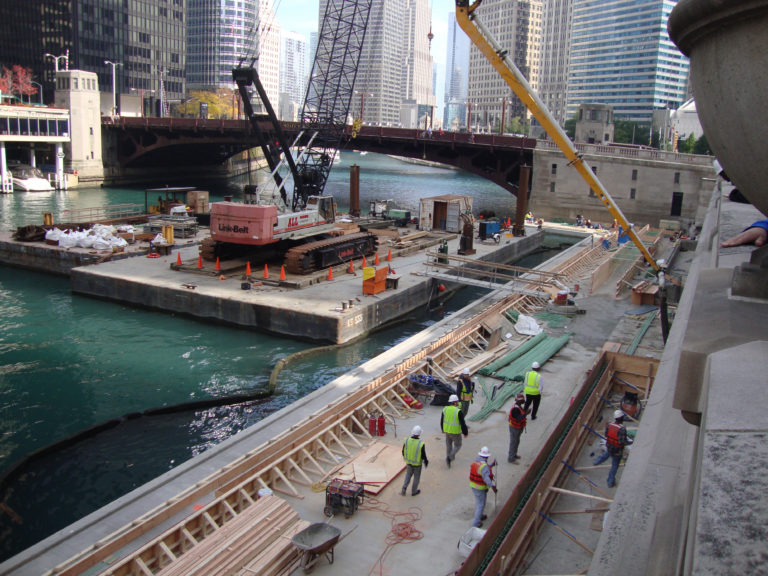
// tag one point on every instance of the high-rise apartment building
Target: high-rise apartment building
(555, 53)
(219, 36)
(145, 39)
(517, 26)
(621, 55)
(294, 70)
(456, 76)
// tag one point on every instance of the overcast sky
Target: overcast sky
(302, 16)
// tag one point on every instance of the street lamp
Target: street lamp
(114, 90)
(57, 58)
(41, 89)
(141, 97)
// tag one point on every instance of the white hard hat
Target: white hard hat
(465, 371)
(453, 398)
(484, 452)
(535, 366)
(618, 415)
(416, 431)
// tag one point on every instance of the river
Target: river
(69, 363)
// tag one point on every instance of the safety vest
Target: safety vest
(451, 423)
(517, 420)
(531, 383)
(466, 390)
(412, 453)
(476, 475)
(612, 435)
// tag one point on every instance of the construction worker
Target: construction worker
(465, 390)
(480, 479)
(452, 423)
(615, 440)
(414, 453)
(532, 388)
(516, 426)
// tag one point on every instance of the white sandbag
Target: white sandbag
(53, 234)
(527, 325)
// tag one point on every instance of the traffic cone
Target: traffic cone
(218, 266)
(200, 262)
(364, 263)
(376, 260)
(351, 267)
(266, 271)
(178, 258)
(389, 255)
(330, 273)
(282, 273)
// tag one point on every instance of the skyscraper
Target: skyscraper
(219, 36)
(622, 56)
(147, 38)
(395, 72)
(516, 25)
(269, 51)
(553, 72)
(294, 69)
(456, 76)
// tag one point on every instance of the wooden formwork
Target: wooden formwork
(309, 450)
(513, 532)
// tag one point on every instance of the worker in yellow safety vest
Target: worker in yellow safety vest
(480, 480)
(465, 390)
(414, 453)
(453, 425)
(532, 389)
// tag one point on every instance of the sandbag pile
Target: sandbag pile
(99, 237)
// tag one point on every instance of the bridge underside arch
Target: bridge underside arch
(212, 146)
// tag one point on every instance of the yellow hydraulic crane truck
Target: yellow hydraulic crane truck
(497, 56)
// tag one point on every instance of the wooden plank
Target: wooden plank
(581, 494)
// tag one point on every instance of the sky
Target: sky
(302, 16)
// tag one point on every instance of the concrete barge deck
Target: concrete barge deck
(312, 308)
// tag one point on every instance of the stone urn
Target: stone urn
(727, 43)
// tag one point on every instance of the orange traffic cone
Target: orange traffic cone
(364, 263)
(178, 259)
(218, 266)
(247, 268)
(266, 271)
(351, 267)
(389, 255)
(376, 260)
(330, 273)
(200, 261)
(282, 273)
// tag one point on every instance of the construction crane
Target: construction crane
(289, 223)
(500, 60)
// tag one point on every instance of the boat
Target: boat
(27, 178)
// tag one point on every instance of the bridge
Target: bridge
(147, 142)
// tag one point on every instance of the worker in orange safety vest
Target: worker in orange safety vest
(480, 480)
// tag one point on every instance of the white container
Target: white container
(264, 492)
(468, 541)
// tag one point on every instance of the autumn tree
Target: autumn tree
(6, 83)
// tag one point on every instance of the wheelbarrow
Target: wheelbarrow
(315, 541)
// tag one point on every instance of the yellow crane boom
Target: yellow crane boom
(497, 56)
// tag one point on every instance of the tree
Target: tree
(686, 146)
(6, 83)
(702, 146)
(570, 127)
(22, 82)
(219, 103)
(631, 132)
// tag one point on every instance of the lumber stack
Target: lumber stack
(256, 540)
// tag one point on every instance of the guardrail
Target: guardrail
(98, 213)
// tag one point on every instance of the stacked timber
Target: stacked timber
(254, 540)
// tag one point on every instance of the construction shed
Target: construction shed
(444, 212)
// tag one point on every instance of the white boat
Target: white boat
(28, 178)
